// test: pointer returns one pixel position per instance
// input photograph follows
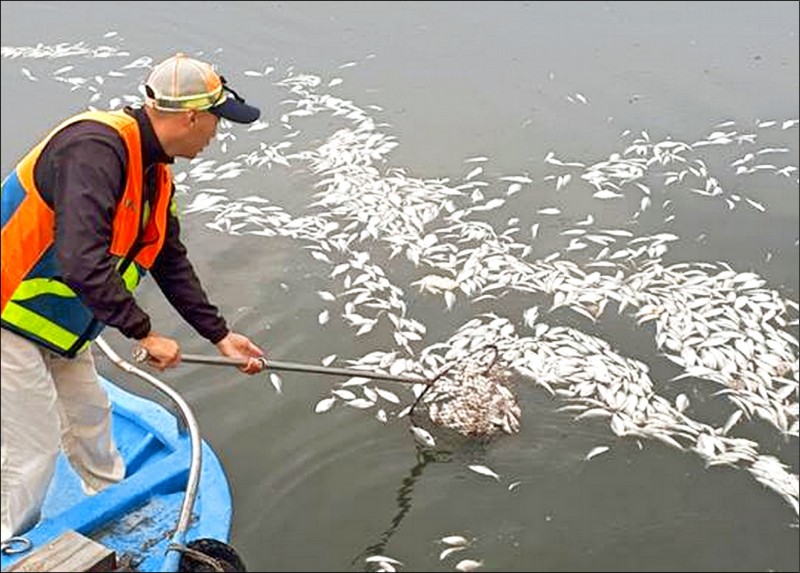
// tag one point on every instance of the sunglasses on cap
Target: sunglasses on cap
(199, 102)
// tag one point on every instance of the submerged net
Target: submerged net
(473, 398)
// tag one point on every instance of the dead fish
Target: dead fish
(422, 436)
(596, 452)
(468, 565)
(446, 552)
(324, 405)
(484, 470)
(455, 540)
(382, 559)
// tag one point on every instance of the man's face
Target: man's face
(200, 127)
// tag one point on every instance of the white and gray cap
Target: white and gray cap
(181, 83)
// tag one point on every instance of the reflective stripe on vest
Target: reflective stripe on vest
(47, 332)
(30, 288)
(35, 302)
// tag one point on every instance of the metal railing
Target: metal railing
(172, 558)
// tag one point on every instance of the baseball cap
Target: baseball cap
(181, 83)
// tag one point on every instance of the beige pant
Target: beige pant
(49, 401)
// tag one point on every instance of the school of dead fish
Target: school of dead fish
(725, 327)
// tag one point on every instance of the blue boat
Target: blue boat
(175, 491)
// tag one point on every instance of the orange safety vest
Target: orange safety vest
(36, 303)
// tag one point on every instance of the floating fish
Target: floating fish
(422, 437)
(484, 470)
(596, 452)
(455, 540)
(468, 565)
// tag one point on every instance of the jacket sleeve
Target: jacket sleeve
(85, 184)
(175, 276)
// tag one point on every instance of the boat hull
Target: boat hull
(137, 517)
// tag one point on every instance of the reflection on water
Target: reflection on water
(404, 500)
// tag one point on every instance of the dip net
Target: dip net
(472, 397)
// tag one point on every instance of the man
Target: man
(84, 215)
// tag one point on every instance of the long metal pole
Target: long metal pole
(295, 367)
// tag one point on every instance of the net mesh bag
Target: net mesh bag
(473, 397)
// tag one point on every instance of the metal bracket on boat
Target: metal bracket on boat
(171, 560)
(16, 544)
(214, 564)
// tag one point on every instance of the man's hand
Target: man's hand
(162, 352)
(236, 345)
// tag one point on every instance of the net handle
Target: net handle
(140, 355)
